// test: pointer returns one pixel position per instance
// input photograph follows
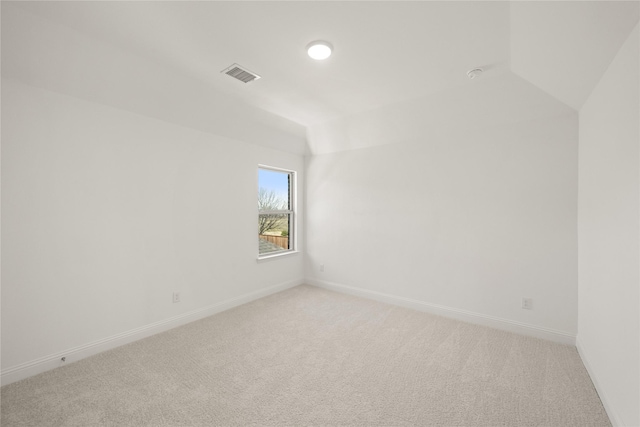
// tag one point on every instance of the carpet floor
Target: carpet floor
(312, 357)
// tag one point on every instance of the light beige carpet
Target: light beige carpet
(308, 356)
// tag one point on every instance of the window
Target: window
(275, 211)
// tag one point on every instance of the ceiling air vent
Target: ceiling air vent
(242, 74)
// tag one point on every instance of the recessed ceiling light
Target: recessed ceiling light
(319, 49)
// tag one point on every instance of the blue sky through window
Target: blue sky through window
(274, 181)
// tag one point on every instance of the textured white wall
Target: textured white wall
(105, 213)
(472, 219)
(609, 227)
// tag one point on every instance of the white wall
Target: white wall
(463, 221)
(608, 231)
(105, 213)
(123, 181)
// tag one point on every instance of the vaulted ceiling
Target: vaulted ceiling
(386, 52)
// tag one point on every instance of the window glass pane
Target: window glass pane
(273, 232)
(273, 190)
(275, 211)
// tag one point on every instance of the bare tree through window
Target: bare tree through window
(275, 210)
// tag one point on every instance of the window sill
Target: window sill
(274, 256)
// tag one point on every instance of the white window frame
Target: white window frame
(291, 212)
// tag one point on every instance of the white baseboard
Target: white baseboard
(613, 417)
(34, 367)
(454, 313)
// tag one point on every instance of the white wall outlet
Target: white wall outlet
(176, 297)
(527, 303)
(321, 267)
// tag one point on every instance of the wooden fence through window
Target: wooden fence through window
(282, 241)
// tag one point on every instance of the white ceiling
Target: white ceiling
(451, 115)
(565, 47)
(386, 52)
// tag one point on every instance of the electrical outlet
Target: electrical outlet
(527, 303)
(176, 297)
(321, 267)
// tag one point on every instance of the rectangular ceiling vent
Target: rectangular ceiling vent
(240, 73)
